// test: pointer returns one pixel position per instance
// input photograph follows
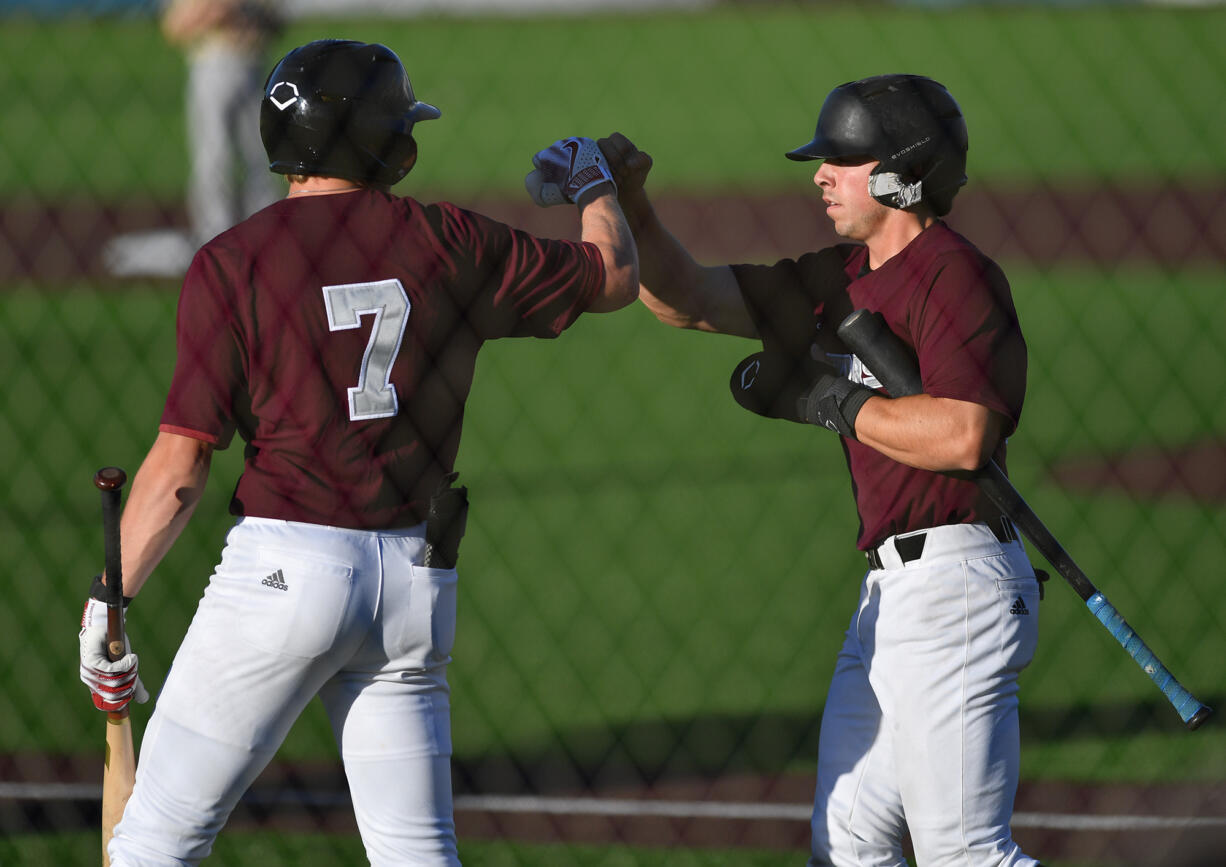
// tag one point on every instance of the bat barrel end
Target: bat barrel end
(110, 479)
(1198, 718)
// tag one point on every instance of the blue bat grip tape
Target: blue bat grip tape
(1185, 703)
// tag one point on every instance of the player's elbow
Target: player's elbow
(621, 287)
(974, 443)
(968, 456)
(666, 313)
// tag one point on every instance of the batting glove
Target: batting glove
(808, 392)
(112, 684)
(565, 170)
(833, 401)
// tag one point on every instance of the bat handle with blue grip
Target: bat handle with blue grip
(1190, 710)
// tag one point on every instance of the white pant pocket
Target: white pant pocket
(293, 603)
(1018, 610)
(428, 633)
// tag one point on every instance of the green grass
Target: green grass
(95, 107)
(643, 557)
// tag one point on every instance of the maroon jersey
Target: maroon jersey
(338, 336)
(953, 307)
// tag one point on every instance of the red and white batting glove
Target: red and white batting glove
(112, 684)
(565, 170)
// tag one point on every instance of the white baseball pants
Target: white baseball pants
(920, 727)
(295, 610)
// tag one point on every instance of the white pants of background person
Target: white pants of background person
(294, 610)
(229, 178)
(920, 727)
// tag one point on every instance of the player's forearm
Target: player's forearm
(930, 433)
(604, 225)
(164, 494)
(667, 272)
(679, 291)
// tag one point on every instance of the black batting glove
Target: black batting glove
(833, 402)
(807, 392)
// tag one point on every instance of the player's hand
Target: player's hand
(630, 166)
(566, 170)
(805, 391)
(112, 684)
(833, 401)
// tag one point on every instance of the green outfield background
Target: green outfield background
(654, 579)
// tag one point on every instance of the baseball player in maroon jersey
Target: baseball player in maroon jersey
(920, 731)
(336, 333)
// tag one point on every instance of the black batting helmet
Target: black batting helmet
(341, 108)
(910, 124)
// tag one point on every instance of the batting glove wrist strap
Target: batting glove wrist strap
(833, 403)
(98, 591)
(565, 170)
(112, 684)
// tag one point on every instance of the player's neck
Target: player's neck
(321, 186)
(894, 234)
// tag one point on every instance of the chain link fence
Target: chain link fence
(654, 582)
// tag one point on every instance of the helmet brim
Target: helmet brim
(423, 111)
(822, 148)
(811, 151)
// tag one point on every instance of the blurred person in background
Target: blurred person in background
(226, 43)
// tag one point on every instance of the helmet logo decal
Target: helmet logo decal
(912, 147)
(286, 101)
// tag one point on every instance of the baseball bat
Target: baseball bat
(119, 766)
(884, 353)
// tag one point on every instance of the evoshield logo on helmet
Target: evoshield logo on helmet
(285, 101)
(912, 147)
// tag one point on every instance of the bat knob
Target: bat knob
(1199, 718)
(110, 479)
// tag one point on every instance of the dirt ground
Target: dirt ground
(1061, 823)
(1104, 225)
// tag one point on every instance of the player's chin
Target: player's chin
(848, 227)
(842, 228)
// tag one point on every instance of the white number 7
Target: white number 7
(374, 396)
